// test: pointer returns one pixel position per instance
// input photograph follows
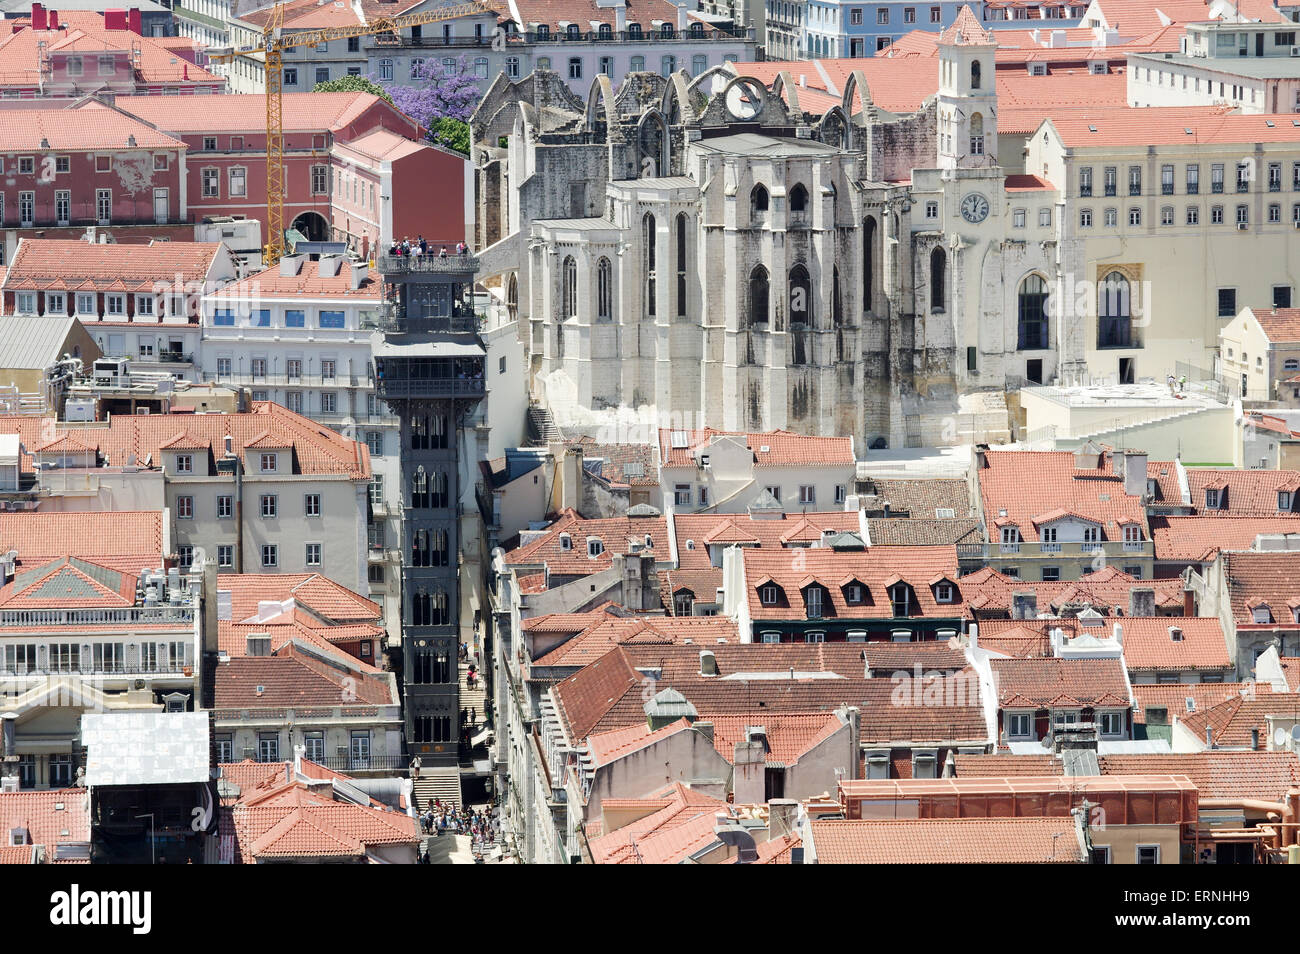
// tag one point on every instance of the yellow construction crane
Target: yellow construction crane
(273, 45)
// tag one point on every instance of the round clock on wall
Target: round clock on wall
(974, 208)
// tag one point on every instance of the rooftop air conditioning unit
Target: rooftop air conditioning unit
(1295, 51)
(1242, 226)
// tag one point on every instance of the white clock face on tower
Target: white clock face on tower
(974, 208)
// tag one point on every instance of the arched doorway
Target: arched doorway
(313, 227)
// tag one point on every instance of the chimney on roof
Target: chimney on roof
(53, 21)
(358, 275)
(620, 18)
(1142, 602)
(681, 18)
(291, 264)
(1117, 631)
(705, 729)
(1133, 463)
(708, 663)
(981, 456)
(974, 635)
(133, 21)
(1189, 602)
(328, 265)
(1209, 737)
(39, 18)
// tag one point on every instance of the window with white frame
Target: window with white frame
(313, 554)
(595, 547)
(270, 506)
(184, 463)
(270, 555)
(768, 595)
(1020, 725)
(268, 463)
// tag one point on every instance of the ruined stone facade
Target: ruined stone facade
(709, 249)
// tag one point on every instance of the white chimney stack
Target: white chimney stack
(328, 266)
(1119, 634)
(359, 272)
(620, 18)
(290, 264)
(681, 18)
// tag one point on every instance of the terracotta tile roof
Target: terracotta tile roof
(299, 627)
(1060, 683)
(1168, 125)
(246, 112)
(987, 590)
(789, 735)
(1029, 484)
(252, 777)
(270, 285)
(1233, 719)
(68, 583)
(1258, 579)
(613, 532)
(45, 262)
(884, 659)
(636, 465)
(703, 585)
(1217, 774)
(1243, 492)
(154, 63)
(928, 498)
(606, 633)
(316, 828)
(695, 532)
(966, 30)
(1148, 643)
(317, 450)
(53, 817)
(923, 533)
(18, 855)
(612, 692)
(670, 834)
(875, 570)
(947, 841)
(585, 12)
(1291, 672)
(1172, 697)
(295, 680)
(78, 130)
(571, 623)
(1005, 766)
(123, 540)
(1280, 325)
(608, 747)
(777, 851)
(899, 86)
(784, 448)
(327, 600)
(1198, 539)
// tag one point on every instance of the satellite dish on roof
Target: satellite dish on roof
(1279, 737)
(1295, 733)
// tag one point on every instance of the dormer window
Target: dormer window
(566, 542)
(900, 598)
(1010, 534)
(1212, 500)
(690, 544)
(943, 592)
(1284, 500)
(768, 595)
(1175, 634)
(853, 594)
(813, 602)
(1261, 614)
(595, 547)
(184, 463)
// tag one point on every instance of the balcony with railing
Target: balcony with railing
(391, 318)
(969, 552)
(182, 616)
(450, 264)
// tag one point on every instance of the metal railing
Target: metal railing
(390, 388)
(372, 763)
(1033, 548)
(449, 264)
(83, 617)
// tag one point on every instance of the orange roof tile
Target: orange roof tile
(53, 817)
(784, 448)
(270, 285)
(947, 841)
(100, 266)
(1199, 539)
(614, 534)
(1167, 125)
(236, 112)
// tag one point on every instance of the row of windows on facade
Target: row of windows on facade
(293, 318)
(1245, 176)
(268, 463)
(1233, 91)
(1011, 536)
(109, 304)
(1052, 574)
(807, 495)
(816, 598)
(237, 183)
(1192, 215)
(51, 164)
(104, 657)
(268, 506)
(313, 742)
(62, 208)
(270, 553)
(327, 403)
(292, 366)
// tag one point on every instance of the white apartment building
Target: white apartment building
(1251, 67)
(300, 335)
(1175, 220)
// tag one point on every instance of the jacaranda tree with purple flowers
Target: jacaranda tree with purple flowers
(441, 100)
